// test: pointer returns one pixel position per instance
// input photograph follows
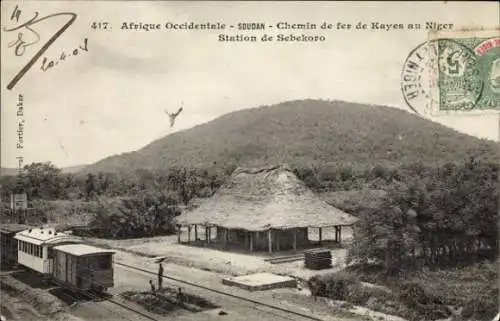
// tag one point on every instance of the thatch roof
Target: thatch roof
(259, 199)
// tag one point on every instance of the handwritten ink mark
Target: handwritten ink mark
(16, 14)
(20, 45)
(46, 64)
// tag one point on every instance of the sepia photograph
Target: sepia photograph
(249, 160)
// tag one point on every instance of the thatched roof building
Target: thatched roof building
(265, 199)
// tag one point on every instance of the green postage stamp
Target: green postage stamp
(465, 71)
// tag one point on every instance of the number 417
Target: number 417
(99, 25)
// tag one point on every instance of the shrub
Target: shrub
(425, 305)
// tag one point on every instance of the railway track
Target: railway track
(128, 308)
(271, 307)
(109, 298)
(135, 313)
(71, 298)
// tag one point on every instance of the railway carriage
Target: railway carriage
(35, 248)
(64, 259)
(8, 243)
(83, 267)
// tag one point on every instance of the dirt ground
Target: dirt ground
(201, 266)
(131, 280)
(225, 262)
(295, 299)
(208, 267)
(16, 309)
(22, 302)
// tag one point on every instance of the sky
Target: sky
(112, 98)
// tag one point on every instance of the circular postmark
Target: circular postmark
(415, 78)
(453, 74)
(458, 78)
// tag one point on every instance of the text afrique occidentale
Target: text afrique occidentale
(429, 25)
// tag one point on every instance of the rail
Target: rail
(225, 293)
(88, 294)
(132, 310)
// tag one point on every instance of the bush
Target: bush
(425, 305)
(361, 294)
(335, 286)
(346, 286)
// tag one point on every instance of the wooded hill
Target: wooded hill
(307, 132)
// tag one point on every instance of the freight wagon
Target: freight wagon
(83, 267)
(8, 247)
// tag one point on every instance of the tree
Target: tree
(90, 186)
(448, 216)
(43, 180)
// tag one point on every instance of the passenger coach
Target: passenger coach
(35, 248)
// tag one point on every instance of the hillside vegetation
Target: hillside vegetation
(307, 132)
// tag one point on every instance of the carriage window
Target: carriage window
(50, 253)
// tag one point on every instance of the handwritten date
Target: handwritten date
(47, 64)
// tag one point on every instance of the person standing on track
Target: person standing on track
(160, 276)
(152, 286)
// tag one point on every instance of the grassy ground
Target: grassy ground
(421, 295)
(474, 287)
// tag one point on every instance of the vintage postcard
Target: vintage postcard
(241, 160)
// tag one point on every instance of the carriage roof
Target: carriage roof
(39, 236)
(82, 250)
(13, 228)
